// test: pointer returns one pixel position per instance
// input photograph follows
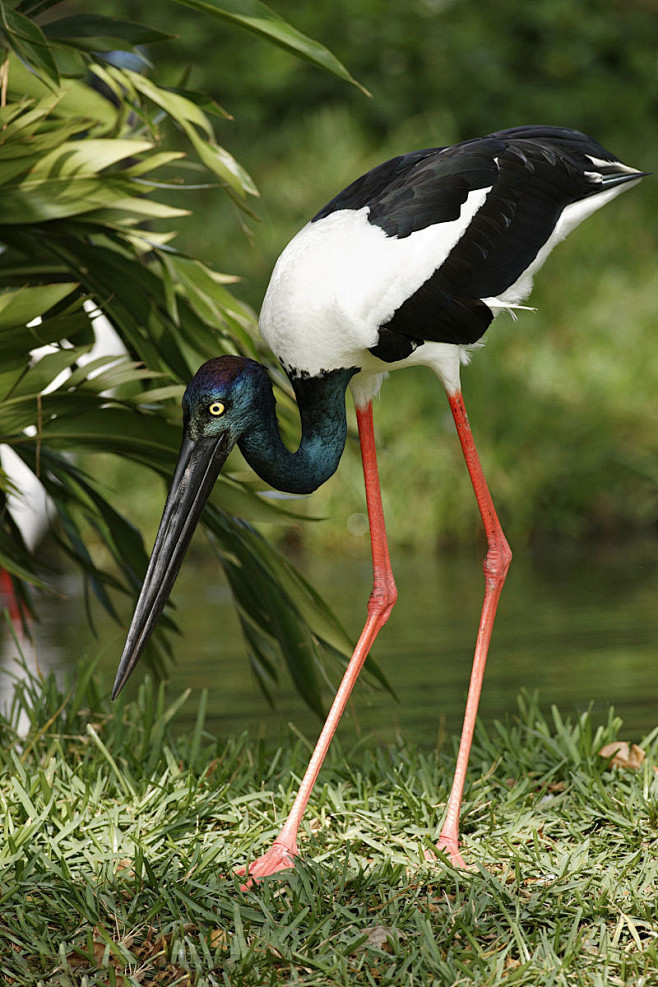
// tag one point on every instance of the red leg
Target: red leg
(495, 568)
(380, 604)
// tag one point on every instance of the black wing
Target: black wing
(533, 174)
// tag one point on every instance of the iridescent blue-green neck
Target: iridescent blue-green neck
(321, 403)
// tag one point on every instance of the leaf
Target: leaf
(73, 159)
(41, 200)
(29, 42)
(41, 375)
(82, 556)
(75, 496)
(95, 32)
(178, 107)
(208, 293)
(14, 557)
(310, 606)
(73, 100)
(157, 395)
(218, 160)
(116, 370)
(257, 17)
(145, 438)
(151, 163)
(9, 377)
(138, 209)
(253, 566)
(193, 121)
(16, 343)
(22, 305)
(621, 754)
(266, 605)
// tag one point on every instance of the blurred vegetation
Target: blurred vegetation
(562, 407)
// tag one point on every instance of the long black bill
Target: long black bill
(199, 464)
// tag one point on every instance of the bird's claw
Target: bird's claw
(278, 857)
(450, 846)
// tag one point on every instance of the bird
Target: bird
(406, 266)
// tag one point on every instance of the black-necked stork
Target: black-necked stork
(406, 266)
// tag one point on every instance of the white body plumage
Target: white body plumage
(342, 278)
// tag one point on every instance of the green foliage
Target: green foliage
(452, 68)
(120, 837)
(84, 158)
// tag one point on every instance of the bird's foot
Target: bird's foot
(449, 845)
(280, 856)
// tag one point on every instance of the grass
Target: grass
(120, 837)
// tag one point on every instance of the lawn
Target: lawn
(120, 835)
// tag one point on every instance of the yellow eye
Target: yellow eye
(216, 408)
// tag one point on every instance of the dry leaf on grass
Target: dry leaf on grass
(380, 936)
(623, 755)
(219, 938)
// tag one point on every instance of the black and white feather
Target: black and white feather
(412, 261)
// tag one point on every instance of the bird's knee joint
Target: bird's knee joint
(383, 599)
(497, 562)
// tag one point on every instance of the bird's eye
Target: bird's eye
(216, 409)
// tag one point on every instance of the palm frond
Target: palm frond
(85, 160)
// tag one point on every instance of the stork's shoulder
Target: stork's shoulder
(422, 188)
(425, 188)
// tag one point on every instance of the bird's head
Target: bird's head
(221, 404)
(224, 399)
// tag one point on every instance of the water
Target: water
(580, 627)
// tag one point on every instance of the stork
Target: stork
(406, 266)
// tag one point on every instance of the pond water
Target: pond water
(580, 627)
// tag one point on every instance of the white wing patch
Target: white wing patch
(341, 278)
(618, 166)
